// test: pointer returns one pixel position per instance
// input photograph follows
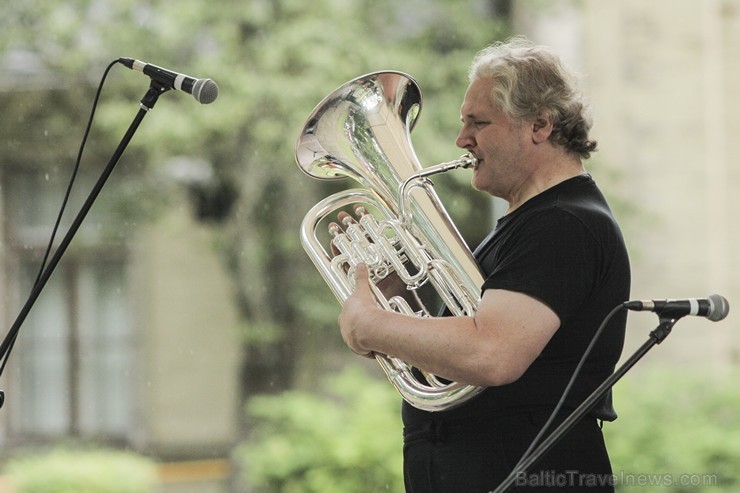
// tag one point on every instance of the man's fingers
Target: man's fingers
(343, 217)
(362, 275)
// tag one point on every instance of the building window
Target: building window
(72, 365)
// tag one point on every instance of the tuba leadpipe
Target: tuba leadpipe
(362, 131)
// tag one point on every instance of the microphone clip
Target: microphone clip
(664, 328)
(156, 89)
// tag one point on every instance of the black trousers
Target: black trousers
(475, 456)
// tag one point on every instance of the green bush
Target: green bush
(676, 432)
(347, 440)
(82, 471)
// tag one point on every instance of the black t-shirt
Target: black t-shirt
(564, 248)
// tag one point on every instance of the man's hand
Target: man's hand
(356, 315)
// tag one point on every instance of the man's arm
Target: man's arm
(495, 347)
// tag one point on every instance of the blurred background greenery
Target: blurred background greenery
(230, 165)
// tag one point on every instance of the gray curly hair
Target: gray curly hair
(530, 82)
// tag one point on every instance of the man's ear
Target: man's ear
(541, 129)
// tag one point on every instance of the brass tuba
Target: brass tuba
(361, 131)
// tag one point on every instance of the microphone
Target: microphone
(204, 91)
(715, 307)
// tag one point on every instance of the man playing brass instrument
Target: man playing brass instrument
(554, 267)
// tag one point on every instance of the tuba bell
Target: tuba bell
(362, 131)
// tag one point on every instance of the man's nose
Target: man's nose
(464, 139)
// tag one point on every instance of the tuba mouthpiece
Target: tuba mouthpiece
(469, 161)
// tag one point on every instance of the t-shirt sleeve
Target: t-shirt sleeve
(551, 257)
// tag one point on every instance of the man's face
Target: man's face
(499, 142)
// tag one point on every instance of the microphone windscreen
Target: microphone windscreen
(720, 307)
(205, 91)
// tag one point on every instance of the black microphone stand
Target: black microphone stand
(146, 104)
(657, 336)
